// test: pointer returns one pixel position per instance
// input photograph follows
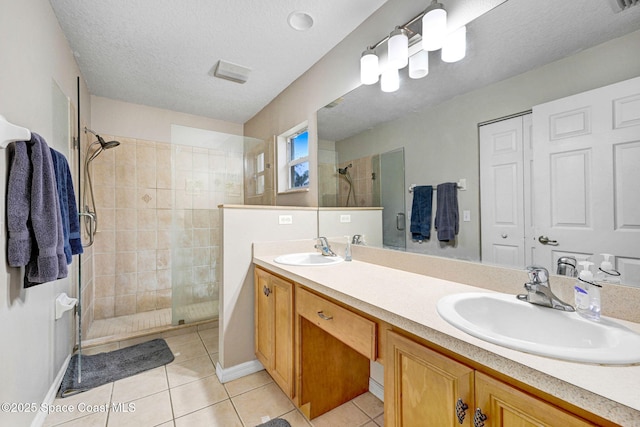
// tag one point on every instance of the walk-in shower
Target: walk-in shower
(89, 213)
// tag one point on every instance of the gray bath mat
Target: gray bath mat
(276, 422)
(104, 368)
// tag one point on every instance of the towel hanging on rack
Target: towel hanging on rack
(447, 221)
(68, 207)
(421, 213)
(35, 234)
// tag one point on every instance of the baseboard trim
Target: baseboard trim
(38, 421)
(238, 371)
(376, 389)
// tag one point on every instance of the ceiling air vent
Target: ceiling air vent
(229, 71)
(620, 5)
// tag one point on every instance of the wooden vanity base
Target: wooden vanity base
(331, 373)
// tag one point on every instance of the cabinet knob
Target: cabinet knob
(461, 410)
(479, 418)
(266, 290)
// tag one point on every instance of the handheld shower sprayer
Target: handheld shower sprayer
(345, 172)
(90, 215)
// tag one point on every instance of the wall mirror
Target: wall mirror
(510, 67)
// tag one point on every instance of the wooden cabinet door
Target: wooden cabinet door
(263, 319)
(281, 292)
(422, 387)
(274, 327)
(506, 406)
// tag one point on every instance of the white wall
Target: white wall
(362, 221)
(241, 226)
(441, 143)
(119, 118)
(34, 53)
(337, 73)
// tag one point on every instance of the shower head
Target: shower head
(105, 145)
(344, 170)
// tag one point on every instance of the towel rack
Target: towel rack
(461, 185)
(10, 132)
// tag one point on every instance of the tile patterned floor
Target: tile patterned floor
(186, 393)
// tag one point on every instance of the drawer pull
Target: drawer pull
(324, 316)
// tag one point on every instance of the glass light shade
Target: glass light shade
(455, 45)
(390, 81)
(419, 64)
(434, 28)
(369, 71)
(398, 46)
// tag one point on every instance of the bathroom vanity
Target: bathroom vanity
(318, 328)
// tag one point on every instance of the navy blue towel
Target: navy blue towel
(68, 207)
(447, 220)
(421, 213)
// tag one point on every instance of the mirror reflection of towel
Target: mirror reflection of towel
(421, 213)
(447, 221)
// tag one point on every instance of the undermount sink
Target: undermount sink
(308, 258)
(504, 320)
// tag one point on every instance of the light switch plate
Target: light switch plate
(466, 216)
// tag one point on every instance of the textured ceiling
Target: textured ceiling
(161, 52)
(516, 36)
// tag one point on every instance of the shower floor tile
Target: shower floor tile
(195, 397)
(132, 324)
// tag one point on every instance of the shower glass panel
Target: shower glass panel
(207, 171)
(392, 198)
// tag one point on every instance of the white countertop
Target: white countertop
(408, 301)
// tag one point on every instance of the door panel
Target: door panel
(585, 176)
(504, 171)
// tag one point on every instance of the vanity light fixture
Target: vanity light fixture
(398, 46)
(390, 81)
(455, 45)
(419, 64)
(369, 73)
(404, 40)
(434, 27)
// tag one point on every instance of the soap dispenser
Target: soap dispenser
(587, 293)
(347, 251)
(606, 273)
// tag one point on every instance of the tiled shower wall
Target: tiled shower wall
(363, 184)
(139, 200)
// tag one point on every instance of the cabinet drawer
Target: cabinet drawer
(350, 328)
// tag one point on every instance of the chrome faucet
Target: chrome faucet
(539, 290)
(357, 240)
(323, 245)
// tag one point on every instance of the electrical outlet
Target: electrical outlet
(285, 219)
(345, 218)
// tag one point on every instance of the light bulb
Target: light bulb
(455, 45)
(419, 64)
(434, 27)
(369, 72)
(398, 46)
(390, 81)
